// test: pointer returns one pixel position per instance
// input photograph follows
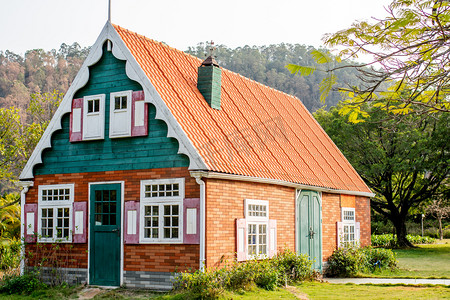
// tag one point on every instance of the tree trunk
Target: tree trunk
(400, 228)
(441, 233)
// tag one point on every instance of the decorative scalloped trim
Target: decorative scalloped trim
(134, 72)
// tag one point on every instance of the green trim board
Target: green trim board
(133, 153)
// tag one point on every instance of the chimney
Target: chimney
(210, 80)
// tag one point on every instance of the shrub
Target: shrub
(390, 241)
(21, 284)
(266, 274)
(379, 258)
(345, 262)
(293, 267)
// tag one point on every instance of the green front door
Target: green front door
(104, 256)
(309, 229)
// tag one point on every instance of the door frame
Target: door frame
(297, 224)
(122, 201)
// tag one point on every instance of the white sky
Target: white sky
(46, 24)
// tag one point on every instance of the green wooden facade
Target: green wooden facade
(149, 152)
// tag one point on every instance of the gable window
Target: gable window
(120, 114)
(348, 228)
(93, 117)
(161, 210)
(55, 212)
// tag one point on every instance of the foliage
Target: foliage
(10, 255)
(440, 209)
(266, 274)
(407, 50)
(351, 260)
(404, 161)
(9, 217)
(21, 284)
(379, 258)
(390, 241)
(345, 262)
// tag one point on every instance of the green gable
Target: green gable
(149, 152)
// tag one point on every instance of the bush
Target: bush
(379, 258)
(293, 267)
(21, 284)
(266, 274)
(345, 262)
(349, 261)
(390, 241)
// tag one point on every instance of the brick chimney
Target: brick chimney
(210, 80)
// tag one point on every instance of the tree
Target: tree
(408, 51)
(19, 135)
(440, 209)
(403, 161)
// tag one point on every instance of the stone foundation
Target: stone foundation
(70, 275)
(161, 281)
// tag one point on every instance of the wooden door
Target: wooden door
(105, 203)
(309, 226)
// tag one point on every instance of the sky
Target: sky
(46, 24)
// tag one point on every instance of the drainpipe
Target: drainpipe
(25, 186)
(199, 180)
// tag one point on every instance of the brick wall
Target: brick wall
(362, 210)
(136, 257)
(225, 204)
(331, 213)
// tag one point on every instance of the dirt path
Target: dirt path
(297, 293)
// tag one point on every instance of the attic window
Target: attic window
(93, 106)
(120, 102)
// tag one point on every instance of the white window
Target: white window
(94, 117)
(348, 225)
(257, 216)
(120, 114)
(161, 216)
(55, 212)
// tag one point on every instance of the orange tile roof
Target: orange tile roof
(258, 131)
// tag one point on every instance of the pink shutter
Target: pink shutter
(241, 239)
(79, 222)
(30, 222)
(131, 222)
(138, 128)
(357, 233)
(272, 238)
(339, 233)
(76, 136)
(191, 221)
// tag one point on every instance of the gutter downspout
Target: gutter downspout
(199, 180)
(25, 186)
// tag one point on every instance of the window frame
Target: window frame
(348, 224)
(160, 202)
(113, 111)
(54, 205)
(257, 220)
(101, 116)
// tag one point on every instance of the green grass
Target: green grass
(316, 290)
(426, 261)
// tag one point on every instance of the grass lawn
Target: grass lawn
(426, 261)
(316, 290)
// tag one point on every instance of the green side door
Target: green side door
(309, 226)
(104, 256)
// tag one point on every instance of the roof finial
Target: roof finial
(210, 60)
(211, 48)
(109, 11)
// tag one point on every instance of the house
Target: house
(156, 162)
